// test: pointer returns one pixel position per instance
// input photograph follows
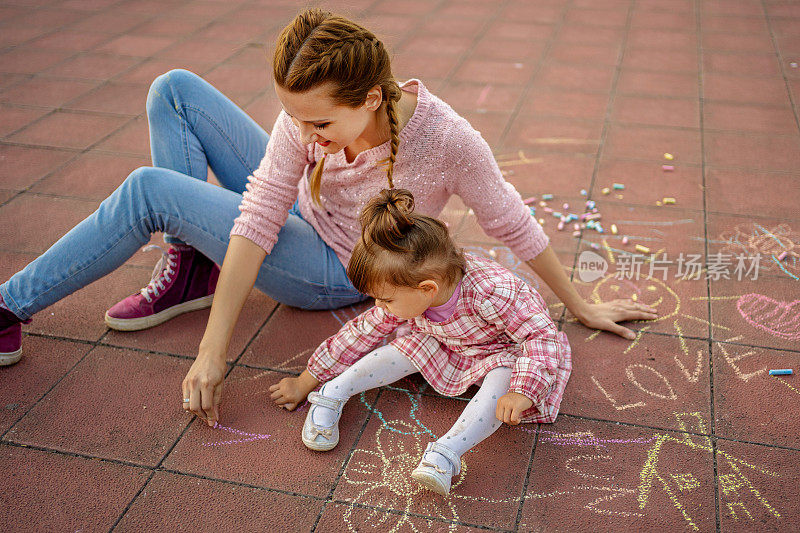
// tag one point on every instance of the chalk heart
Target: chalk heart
(781, 319)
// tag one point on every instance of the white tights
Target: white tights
(387, 365)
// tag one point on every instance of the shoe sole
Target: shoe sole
(9, 358)
(429, 482)
(145, 322)
(319, 447)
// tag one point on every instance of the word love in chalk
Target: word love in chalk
(250, 437)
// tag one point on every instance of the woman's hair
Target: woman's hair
(400, 247)
(319, 47)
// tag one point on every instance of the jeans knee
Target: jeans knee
(141, 181)
(162, 90)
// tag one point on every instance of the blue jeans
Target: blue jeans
(192, 126)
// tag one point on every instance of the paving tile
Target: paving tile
(132, 139)
(22, 166)
(641, 82)
(597, 35)
(554, 135)
(13, 118)
(136, 45)
(664, 39)
(88, 494)
(239, 83)
(733, 23)
(610, 18)
(757, 487)
(570, 104)
(764, 152)
(43, 91)
(721, 196)
(465, 96)
(338, 516)
(29, 61)
(746, 396)
(770, 91)
(9, 80)
(444, 44)
(589, 476)
(774, 120)
(577, 77)
(93, 65)
(661, 60)
(44, 362)
(115, 404)
(737, 7)
(18, 35)
(584, 54)
(182, 335)
(113, 21)
(120, 99)
(199, 49)
(97, 173)
(268, 431)
(278, 344)
(490, 47)
(674, 19)
(647, 183)
(171, 26)
(520, 31)
(264, 110)
(534, 174)
(491, 125)
(763, 312)
(69, 40)
(650, 143)
(225, 507)
(379, 471)
(657, 111)
(538, 12)
(149, 70)
(38, 234)
(424, 66)
(69, 130)
(442, 26)
(738, 42)
(741, 64)
(639, 382)
(482, 71)
(5, 194)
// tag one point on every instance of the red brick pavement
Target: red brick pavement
(680, 429)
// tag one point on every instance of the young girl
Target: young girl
(284, 219)
(471, 320)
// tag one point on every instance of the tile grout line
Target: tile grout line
(522, 496)
(712, 413)
(779, 54)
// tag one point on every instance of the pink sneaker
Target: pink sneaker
(11, 345)
(184, 280)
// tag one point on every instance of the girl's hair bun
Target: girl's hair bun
(387, 218)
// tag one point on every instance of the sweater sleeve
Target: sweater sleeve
(522, 314)
(357, 338)
(273, 187)
(497, 204)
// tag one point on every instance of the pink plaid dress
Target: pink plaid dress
(498, 321)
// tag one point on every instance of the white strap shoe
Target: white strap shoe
(322, 438)
(433, 477)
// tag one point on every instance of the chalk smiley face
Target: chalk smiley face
(654, 293)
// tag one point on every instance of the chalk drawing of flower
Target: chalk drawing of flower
(384, 478)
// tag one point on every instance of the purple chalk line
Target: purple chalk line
(252, 436)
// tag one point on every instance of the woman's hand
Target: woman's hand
(510, 407)
(202, 386)
(289, 392)
(606, 315)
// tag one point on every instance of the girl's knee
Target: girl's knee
(163, 87)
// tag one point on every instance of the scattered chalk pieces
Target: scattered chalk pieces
(493, 253)
(781, 372)
(541, 221)
(560, 226)
(595, 246)
(793, 64)
(618, 186)
(565, 206)
(669, 201)
(658, 203)
(618, 196)
(624, 239)
(529, 201)
(548, 209)
(606, 190)
(643, 249)
(667, 168)
(613, 229)
(584, 193)
(669, 157)
(547, 197)
(783, 255)
(542, 204)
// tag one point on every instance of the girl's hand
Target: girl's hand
(289, 392)
(510, 407)
(606, 315)
(203, 387)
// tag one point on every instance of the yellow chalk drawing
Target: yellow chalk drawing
(685, 482)
(632, 378)
(740, 505)
(613, 401)
(516, 159)
(581, 473)
(732, 360)
(787, 384)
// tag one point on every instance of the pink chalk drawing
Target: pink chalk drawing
(778, 318)
(250, 437)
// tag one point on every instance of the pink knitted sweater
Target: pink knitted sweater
(439, 154)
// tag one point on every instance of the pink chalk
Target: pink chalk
(625, 240)
(560, 226)
(529, 201)
(668, 168)
(783, 255)
(565, 206)
(548, 209)
(576, 226)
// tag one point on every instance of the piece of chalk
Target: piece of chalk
(793, 64)
(528, 201)
(542, 204)
(493, 253)
(669, 157)
(624, 239)
(565, 206)
(541, 221)
(643, 249)
(556, 214)
(618, 186)
(781, 372)
(547, 197)
(668, 168)
(613, 229)
(576, 233)
(658, 202)
(669, 201)
(783, 255)
(606, 190)
(548, 209)
(595, 246)
(618, 196)
(584, 193)
(533, 211)
(560, 226)
(576, 226)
